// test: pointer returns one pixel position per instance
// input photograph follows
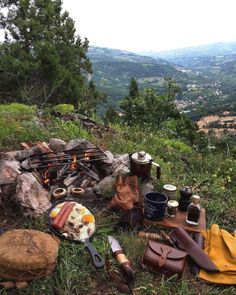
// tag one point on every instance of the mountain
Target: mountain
(113, 70)
(220, 48)
(217, 62)
(207, 79)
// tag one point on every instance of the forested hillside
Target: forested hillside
(113, 70)
(217, 62)
(207, 82)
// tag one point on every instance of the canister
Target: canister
(172, 207)
(170, 191)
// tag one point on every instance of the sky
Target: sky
(153, 25)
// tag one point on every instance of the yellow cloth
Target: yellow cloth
(220, 246)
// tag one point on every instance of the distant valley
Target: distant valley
(206, 75)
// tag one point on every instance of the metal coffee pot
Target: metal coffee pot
(141, 164)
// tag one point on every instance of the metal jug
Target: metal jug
(141, 164)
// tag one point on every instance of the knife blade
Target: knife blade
(184, 242)
(122, 260)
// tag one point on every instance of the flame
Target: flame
(86, 157)
(46, 174)
(73, 164)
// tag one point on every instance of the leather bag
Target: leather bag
(160, 258)
(127, 193)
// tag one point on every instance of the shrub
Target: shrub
(64, 108)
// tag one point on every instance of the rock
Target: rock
(88, 192)
(22, 155)
(146, 187)
(25, 164)
(105, 185)
(56, 144)
(120, 165)
(35, 150)
(32, 197)
(105, 167)
(78, 144)
(6, 191)
(8, 156)
(109, 160)
(9, 170)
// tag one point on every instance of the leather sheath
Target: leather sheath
(183, 241)
(200, 240)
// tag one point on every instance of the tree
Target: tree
(111, 116)
(148, 109)
(172, 87)
(41, 59)
(133, 89)
(128, 105)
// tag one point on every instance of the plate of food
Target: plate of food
(72, 221)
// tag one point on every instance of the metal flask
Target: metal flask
(141, 164)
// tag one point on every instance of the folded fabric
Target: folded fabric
(220, 246)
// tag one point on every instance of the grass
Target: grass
(211, 174)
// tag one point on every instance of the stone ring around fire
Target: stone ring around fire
(77, 191)
(59, 193)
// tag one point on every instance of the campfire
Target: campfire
(29, 177)
(68, 166)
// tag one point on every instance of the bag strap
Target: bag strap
(165, 251)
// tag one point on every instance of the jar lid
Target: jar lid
(170, 187)
(141, 157)
(195, 199)
(173, 203)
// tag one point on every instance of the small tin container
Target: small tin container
(170, 191)
(172, 207)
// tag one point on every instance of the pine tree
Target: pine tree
(129, 105)
(133, 89)
(147, 108)
(42, 59)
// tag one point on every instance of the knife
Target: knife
(184, 242)
(122, 260)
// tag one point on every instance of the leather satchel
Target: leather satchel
(160, 258)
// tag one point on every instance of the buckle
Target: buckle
(165, 251)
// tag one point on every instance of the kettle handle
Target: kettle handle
(158, 171)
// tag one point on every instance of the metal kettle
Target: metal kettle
(141, 164)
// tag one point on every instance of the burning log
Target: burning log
(71, 178)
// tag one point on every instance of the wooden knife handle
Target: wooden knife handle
(125, 265)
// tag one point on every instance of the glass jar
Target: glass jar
(193, 211)
(172, 207)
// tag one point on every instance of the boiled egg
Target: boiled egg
(54, 212)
